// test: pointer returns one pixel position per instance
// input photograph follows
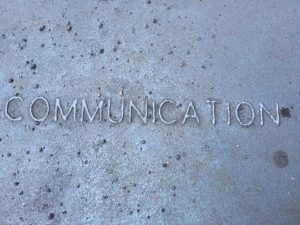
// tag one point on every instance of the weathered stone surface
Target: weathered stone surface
(201, 169)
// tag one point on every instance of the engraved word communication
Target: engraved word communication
(146, 111)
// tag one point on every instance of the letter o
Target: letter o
(48, 109)
(237, 114)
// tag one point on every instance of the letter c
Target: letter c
(6, 109)
(160, 114)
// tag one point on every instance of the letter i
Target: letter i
(153, 112)
(228, 113)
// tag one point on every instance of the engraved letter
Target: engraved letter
(6, 109)
(187, 115)
(213, 110)
(238, 116)
(86, 109)
(262, 108)
(153, 112)
(109, 112)
(65, 116)
(133, 106)
(46, 114)
(160, 112)
(228, 113)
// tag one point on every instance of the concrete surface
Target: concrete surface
(102, 173)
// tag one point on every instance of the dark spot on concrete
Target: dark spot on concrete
(105, 197)
(154, 20)
(33, 66)
(42, 149)
(69, 27)
(101, 51)
(42, 28)
(285, 112)
(11, 80)
(165, 165)
(280, 159)
(51, 216)
(178, 157)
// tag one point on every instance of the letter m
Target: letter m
(65, 115)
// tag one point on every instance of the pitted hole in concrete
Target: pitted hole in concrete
(280, 159)
(51, 216)
(285, 112)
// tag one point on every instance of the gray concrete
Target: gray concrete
(99, 173)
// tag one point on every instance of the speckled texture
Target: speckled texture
(91, 173)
